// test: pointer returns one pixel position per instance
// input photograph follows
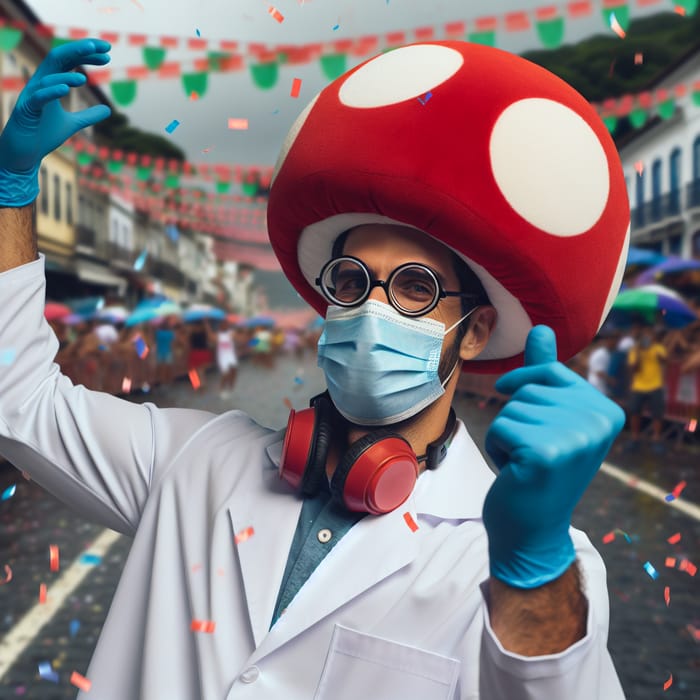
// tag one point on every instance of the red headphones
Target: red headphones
(376, 473)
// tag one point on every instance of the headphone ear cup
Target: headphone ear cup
(315, 470)
(376, 474)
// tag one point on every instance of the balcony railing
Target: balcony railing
(666, 206)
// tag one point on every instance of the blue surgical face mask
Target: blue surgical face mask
(381, 367)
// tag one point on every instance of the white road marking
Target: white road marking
(24, 632)
(634, 482)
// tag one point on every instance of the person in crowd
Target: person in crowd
(226, 357)
(599, 374)
(166, 342)
(367, 550)
(646, 361)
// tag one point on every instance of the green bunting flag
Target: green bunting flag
(195, 82)
(638, 117)
(143, 172)
(216, 58)
(667, 108)
(551, 32)
(264, 74)
(84, 159)
(153, 56)
(622, 15)
(610, 123)
(9, 38)
(689, 6)
(696, 98)
(250, 189)
(123, 91)
(222, 187)
(485, 38)
(115, 166)
(333, 65)
(172, 180)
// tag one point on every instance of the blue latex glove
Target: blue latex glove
(548, 442)
(39, 124)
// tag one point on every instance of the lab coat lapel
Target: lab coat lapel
(354, 565)
(263, 524)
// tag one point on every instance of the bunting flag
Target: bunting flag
(550, 26)
(153, 56)
(689, 6)
(123, 92)
(195, 83)
(333, 65)
(264, 74)
(619, 9)
(9, 38)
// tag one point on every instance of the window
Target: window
(675, 244)
(696, 158)
(69, 203)
(674, 167)
(639, 212)
(44, 187)
(114, 235)
(57, 197)
(656, 189)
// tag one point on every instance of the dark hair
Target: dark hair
(469, 283)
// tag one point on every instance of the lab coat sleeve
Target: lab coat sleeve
(583, 671)
(97, 453)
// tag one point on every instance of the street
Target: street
(655, 621)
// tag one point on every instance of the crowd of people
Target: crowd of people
(118, 359)
(639, 367)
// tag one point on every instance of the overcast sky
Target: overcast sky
(204, 123)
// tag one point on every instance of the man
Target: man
(647, 360)
(599, 370)
(405, 569)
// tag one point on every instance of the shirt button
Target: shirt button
(250, 675)
(324, 535)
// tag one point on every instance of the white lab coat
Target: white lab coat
(389, 613)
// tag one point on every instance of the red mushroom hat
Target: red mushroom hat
(492, 155)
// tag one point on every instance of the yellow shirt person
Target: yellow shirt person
(647, 367)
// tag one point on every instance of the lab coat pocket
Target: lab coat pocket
(360, 665)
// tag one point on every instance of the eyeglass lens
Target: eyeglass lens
(411, 288)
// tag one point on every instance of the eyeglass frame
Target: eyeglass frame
(386, 286)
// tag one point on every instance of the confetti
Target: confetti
(73, 627)
(42, 593)
(138, 4)
(679, 489)
(688, 567)
(298, 380)
(336, 27)
(427, 96)
(410, 521)
(674, 539)
(296, 87)
(7, 357)
(625, 535)
(141, 347)
(669, 682)
(9, 492)
(53, 557)
(194, 96)
(275, 14)
(141, 260)
(288, 403)
(126, 385)
(172, 126)
(615, 26)
(692, 425)
(694, 632)
(639, 167)
(47, 672)
(240, 124)
(651, 570)
(90, 559)
(667, 595)
(197, 32)
(670, 562)
(79, 681)
(638, 59)
(203, 626)
(194, 379)
(8, 575)
(244, 535)
(679, 10)
(607, 539)
(196, 568)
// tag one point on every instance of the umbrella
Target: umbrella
(260, 321)
(149, 312)
(112, 314)
(54, 311)
(653, 302)
(670, 266)
(86, 306)
(198, 312)
(643, 257)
